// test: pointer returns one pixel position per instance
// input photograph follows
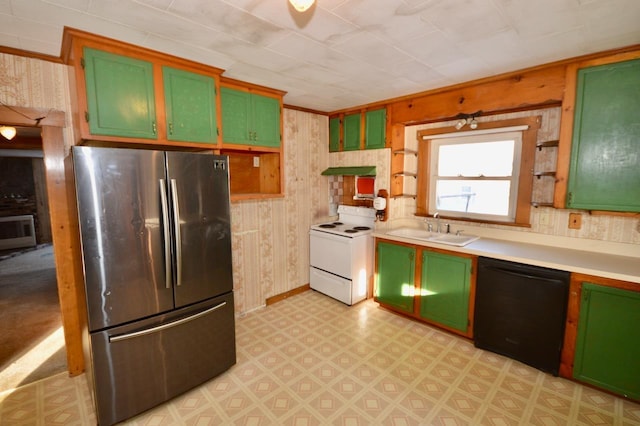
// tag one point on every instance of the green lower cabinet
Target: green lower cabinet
(190, 102)
(444, 289)
(395, 276)
(608, 343)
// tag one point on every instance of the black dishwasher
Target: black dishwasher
(520, 312)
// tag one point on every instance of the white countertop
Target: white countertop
(592, 263)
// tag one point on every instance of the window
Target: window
(483, 175)
(475, 176)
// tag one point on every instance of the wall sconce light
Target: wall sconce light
(8, 132)
(469, 119)
(301, 5)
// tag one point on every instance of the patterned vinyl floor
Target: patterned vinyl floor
(310, 360)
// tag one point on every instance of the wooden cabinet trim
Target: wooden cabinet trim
(573, 315)
(567, 120)
(419, 249)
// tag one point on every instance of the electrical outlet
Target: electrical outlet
(575, 221)
(256, 161)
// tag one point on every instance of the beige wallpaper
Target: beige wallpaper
(270, 237)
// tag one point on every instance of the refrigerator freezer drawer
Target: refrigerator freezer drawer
(140, 365)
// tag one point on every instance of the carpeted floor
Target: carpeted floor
(31, 338)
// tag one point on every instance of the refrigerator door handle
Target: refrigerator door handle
(126, 336)
(176, 231)
(165, 236)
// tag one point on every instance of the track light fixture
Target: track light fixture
(470, 119)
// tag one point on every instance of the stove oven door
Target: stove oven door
(331, 253)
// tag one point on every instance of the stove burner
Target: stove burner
(327, 225)
(361, 228)
(351, 231)
(337, 223)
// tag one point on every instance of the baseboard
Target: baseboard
(280, 297)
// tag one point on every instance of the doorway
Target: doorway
(31, 335)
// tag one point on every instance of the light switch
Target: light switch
(256, 161)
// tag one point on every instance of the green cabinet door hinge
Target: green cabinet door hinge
(82, 63)
(86, 116)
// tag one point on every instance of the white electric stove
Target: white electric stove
(341, 254)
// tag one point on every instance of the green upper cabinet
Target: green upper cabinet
(395, 276)
(375, 123)
(236, 109)
(266, 120)
(190, 103)
(607, 351)
(249, 118)
(120, 95)
(375, 128)
(334, 134)
(604, 172)
(444, 289)
(351, 132)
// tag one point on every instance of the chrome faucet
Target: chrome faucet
(429, 225)
(436, 216)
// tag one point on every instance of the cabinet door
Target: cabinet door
(444, 289)
(236, 107)
(607, 350)
(190, 103)
(604, 172)
(266, 121)
(395, 276)
(334, 134)
(375, 129)
(351, 132)
(120, 95)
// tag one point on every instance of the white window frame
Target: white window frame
(489, 135)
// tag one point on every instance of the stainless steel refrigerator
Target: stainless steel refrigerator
(156, 249)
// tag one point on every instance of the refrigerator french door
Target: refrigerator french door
(156, 247)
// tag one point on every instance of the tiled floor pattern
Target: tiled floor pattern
(310, 360)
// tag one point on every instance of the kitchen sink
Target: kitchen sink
(418, 234)
(454, 240)
(434, 237)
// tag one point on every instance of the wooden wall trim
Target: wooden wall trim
(31, 117)
(526, 90)
(66, 243)
(29, 54)
(280, 297)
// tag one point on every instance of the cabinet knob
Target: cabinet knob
(154, 128)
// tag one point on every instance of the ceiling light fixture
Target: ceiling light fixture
(8, 132)
(301, 5)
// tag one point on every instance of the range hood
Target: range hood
(350, 171)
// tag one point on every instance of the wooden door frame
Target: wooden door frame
(64, 222)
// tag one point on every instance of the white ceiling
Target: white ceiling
(341, 53)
